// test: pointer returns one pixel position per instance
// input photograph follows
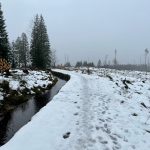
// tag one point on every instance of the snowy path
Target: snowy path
(93, 130)
(85, 115)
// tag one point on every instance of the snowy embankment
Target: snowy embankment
(19, 85)
(18, 81)
(107, 110)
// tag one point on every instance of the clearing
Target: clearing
(107, 110)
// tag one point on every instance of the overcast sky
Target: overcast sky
(86, 29)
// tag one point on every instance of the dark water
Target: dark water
(11, 123)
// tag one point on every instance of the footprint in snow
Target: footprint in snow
(103, 112)
(77, 123)
(116, 147)
(133, 146)
(104, 142)
(113, 138)
(66, 135)
(75, 114)
(102, 120)
(78, 107)
(97, 127)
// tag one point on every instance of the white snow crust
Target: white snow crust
(98, 113)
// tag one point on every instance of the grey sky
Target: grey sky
(86, 29)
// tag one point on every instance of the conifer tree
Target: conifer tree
(53, 58)
(99, 63)
(40, 46)
(21, 53)
(78, 64)
(4, 44)
(85, 64)
(17, 49)
(115, 59)
(24, 51)
(34, 42)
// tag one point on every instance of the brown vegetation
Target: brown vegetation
(4, 65)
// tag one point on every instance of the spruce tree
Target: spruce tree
(53, 58)
(17, 49)
(40, 46)
(85, 64)
(79, 64)
(13, 60)
(4, 44)
(21, 53)
(24, 51)
(34, 43)
(99, 63)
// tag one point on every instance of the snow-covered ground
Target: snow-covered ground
(19, 81)
(101, 111)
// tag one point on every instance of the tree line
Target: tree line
(115, 63)
(84, 64)
(21, 53)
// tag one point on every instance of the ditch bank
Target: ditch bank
(22, 114)
(19, 88)
(60, 75)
